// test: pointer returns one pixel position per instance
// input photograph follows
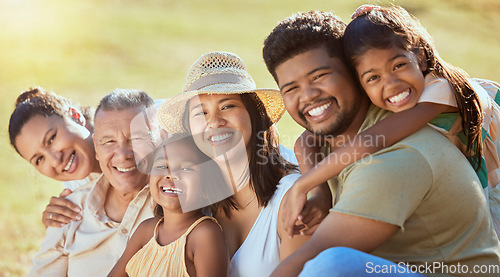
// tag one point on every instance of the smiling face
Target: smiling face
(319, 92)
(57, 147)
(219, 123)
(392, 78)
(114, 151)
(176, 177)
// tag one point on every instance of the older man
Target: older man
(112, 206)
(407, 203)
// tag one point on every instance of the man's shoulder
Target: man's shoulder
(430, 145)
(397, 158)
(80, 194)
(426, 141)
(429, 141)
(426, 146)
(426, 151)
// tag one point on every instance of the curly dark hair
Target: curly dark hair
(37, 101)
(301, 32)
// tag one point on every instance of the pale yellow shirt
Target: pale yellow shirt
(92, 246)
(424, 185)
(154, 259)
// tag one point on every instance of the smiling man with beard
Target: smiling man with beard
(416, 203)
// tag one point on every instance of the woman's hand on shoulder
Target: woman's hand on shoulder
(60, 211)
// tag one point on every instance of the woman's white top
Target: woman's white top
(259, 254)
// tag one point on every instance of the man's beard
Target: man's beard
(335, 129)
(343, 121)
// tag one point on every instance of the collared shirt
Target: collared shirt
(91, 246)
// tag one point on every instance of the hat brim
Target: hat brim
(171, 112)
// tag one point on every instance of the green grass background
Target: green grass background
(86, 48)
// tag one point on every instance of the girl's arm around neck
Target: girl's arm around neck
(206, 249)
(144, 232)
(384, 133)
(307, 150)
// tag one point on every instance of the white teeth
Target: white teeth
(66, 168)
(398, 97)
(217, 138)
(126, 169)
(319, 110)
(172, 190)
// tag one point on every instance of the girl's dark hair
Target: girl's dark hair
(37, 101)
(266, 165)
(386, 27)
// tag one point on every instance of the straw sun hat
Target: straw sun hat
(216, 73)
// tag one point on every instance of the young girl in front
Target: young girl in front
(396, 63)
(178, 241)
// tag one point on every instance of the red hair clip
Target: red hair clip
(363, 9)
(75, 114)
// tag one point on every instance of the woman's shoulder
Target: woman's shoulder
(289, 179)
(284, 185)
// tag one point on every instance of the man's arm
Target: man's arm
(388, 187)
(338, 229)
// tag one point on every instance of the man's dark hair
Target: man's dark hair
(301, 32)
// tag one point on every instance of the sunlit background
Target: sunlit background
(85, 49)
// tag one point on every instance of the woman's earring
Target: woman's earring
(77, 116)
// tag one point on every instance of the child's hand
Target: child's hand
(293, 203)
(315, 210)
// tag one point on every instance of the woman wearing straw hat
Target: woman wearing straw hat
(232, 122)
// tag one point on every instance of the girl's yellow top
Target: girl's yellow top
(156, 260)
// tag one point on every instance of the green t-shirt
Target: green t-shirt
(424, 185)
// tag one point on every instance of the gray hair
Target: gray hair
(121, 99)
